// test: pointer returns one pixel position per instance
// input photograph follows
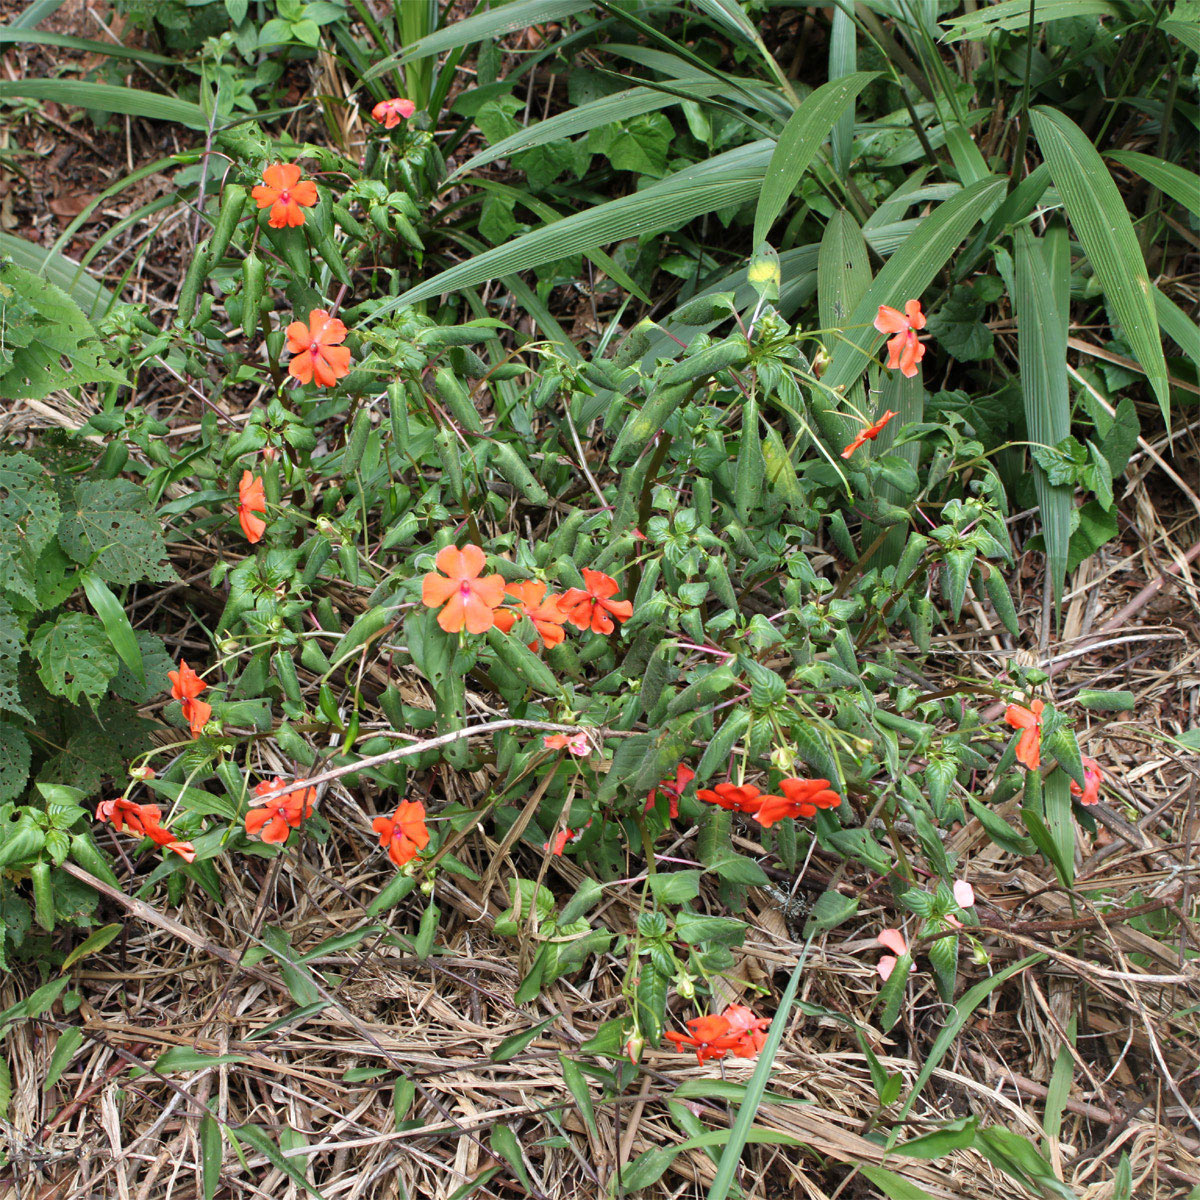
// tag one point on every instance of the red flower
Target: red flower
(284, 193)
(282, 811)
(749, 1030)
(711, 1037)
(593, 608)
(186, 685)
(166, 839)
(868, 433)
(318, 349)
(672, 789)
(251, 499)
(404, 832)
(470, 601)
(801, 798)
(561, 838)
(390, 112)
(541, 609)
(904, 350)
(577, 743)
(732, 796)
(1029, 721)
(124, 814)
(1089, 794)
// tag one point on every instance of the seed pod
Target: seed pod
(700, 310)
(734, 352)
(357, 441)
(506, 460)
(254, 277)
(640, 428)
(233, 201)
(197, 272)
(447, 445)
(285, 672)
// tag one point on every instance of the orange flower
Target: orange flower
(672, 789)
(284, 193)
(1089, 794)
(390, 112)
(470, 601)
(732, 796)
(125, 814)
(143, 819)
(318, 349)
(186, 685)
(711, 1037)
(593, 607)
(561, 838)
(749, 1030)
(282, 811)
(541, 609)
(801, 798)
(251, 500)
(577, 743)
(1029, 721)
(904, 350)
(404, 832)
(868, 433)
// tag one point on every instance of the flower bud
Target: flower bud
(229, 646)
(685, 985)
(783, 758)
(979, 956)
(820, 362)
(635, 1046)
(141, 772)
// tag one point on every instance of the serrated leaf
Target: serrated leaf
(1102, 223)
(943, 958)
(831, 910)
(15, 757)
(29, 515)
(74, 656)
(651, 998)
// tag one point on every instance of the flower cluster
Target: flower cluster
(284, 807)
(736, 1031)
(671, 789)
(470, 600)
(801, 798)
(145, 820)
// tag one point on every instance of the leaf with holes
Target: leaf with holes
(29, 516)
(111, 530)
(11, 639)
(74, 657)
(14, 761)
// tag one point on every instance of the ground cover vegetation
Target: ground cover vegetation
(597, 599)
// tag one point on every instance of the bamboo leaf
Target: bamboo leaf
(1102, 224)
(798, 144)
(12, 34)
(1178, 326)
(843, 61)
(727, 179)
(1014, 15)
(1042, 351)
(1170, 179)
(107, 97)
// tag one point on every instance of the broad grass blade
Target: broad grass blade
(1170, 179)
(1101, 222)
(843, 61)
(1042, 350)
(107, 97)
(798, 144)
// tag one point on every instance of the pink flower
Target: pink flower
(964, 894)
(891, 939)
(576, 743)
(1092, 775)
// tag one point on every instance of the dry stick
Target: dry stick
(1113, 623)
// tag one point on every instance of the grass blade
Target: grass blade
(106, 97)
(727, 179)
(1042, 350)
(755, 1088)
(1178, 326)
(1101, 222)
(843, 61)
(61, 271)
(10, 34)
(1170, 179)
(798, 144)
(1014, 15)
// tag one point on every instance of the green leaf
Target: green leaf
(211, 1153)
(670, 888)
(724, 181)
(64, 1051)
(111, 530)
(1098, 701)
(1042, 349)
(29, 516)
(511, 1046)
(1014, 15)
(893, 1186)
(48, 343)
(999, 830)
(1102, 224)
(259, 1140)
(15, 756)
(577, 1085)
(802, 136)
(116, 623)
(106, 97)
(831, 910)
(11, 35)
(504, 1142)
(1174, 181)
(74, 656)
(93, 945)
(64, 273)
